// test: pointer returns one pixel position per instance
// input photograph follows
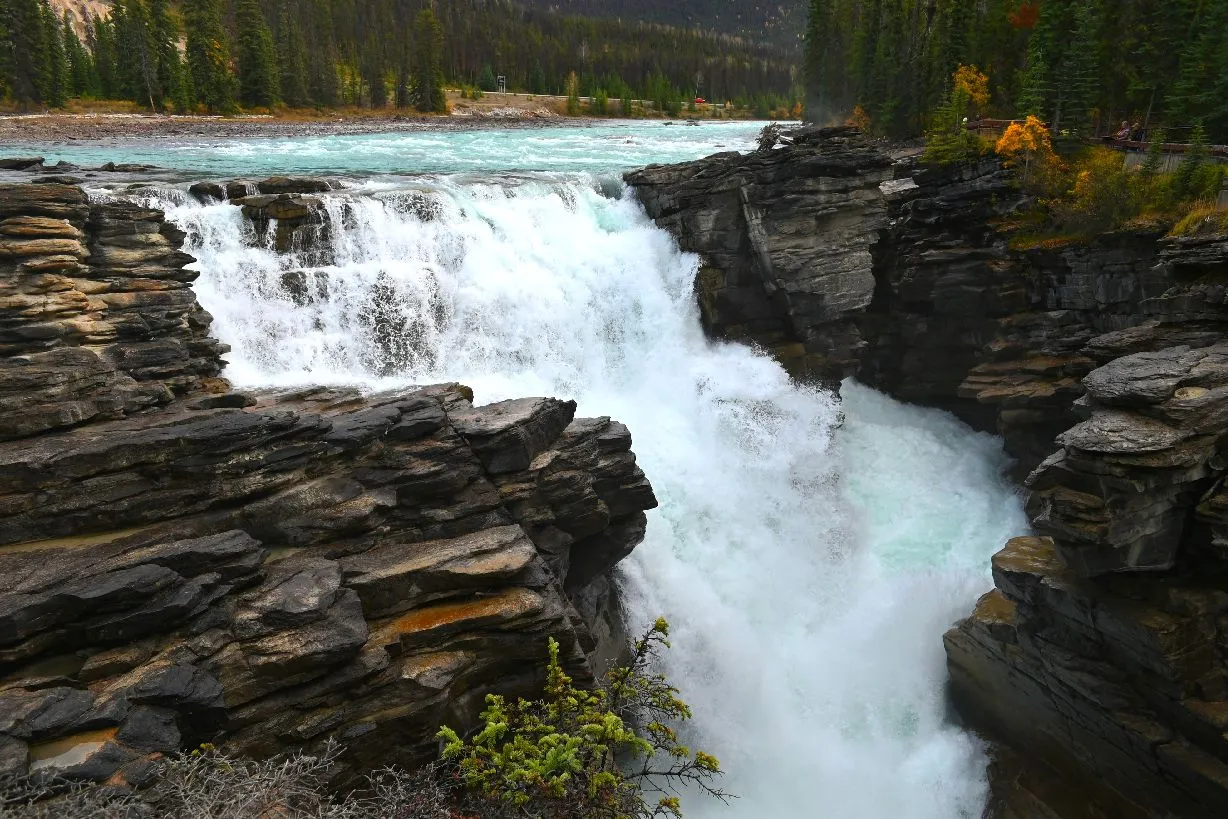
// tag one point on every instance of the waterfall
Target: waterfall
(809, 550)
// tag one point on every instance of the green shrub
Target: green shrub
(578, 754)
(1101, 196)
(947, 139)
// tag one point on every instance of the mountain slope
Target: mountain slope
(780, 22)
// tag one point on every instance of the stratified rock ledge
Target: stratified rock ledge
(1099, 663)
(269, 570)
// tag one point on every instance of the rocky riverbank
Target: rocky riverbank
(264, 570)
(52, 128)
(1100, 660)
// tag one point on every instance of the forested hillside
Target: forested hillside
(1082, 65)
(374, 53)
(777, 21)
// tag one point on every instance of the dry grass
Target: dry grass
(208, 785)
(1047, 241)
(1206, 220)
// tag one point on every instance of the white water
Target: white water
(809, 569)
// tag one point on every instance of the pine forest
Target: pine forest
(1082, 66)
(222, 55)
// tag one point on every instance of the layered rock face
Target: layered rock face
(1099, 663)
(267, 570)
(843, 261)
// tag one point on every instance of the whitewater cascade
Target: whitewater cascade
(809, 569)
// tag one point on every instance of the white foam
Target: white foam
(809, 572)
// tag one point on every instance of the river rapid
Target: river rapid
(809, 550)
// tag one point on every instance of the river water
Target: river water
(809, 550)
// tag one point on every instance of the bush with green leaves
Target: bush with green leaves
(609, 753)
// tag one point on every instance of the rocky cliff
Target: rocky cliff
(844, 260)
(1100, 661)
(266, 570)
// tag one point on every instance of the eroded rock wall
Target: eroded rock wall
(268, 570)
(844, 259)
(1099, 662)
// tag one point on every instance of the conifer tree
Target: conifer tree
(80, 67)
(428, 64)
(374, 73)
(537, 79)
(208, 56)
(290, 58)
(1077, 74)
(135, 43)
(103, 46)
(6, 50)
(322, 81)
(487, 80)
(56, 72)
(258, 74)
(169, 68)
(26, 62)
(818, 60)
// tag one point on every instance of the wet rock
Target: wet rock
(843, 261)
(507, 436)
(127, 167)
(239, 189)
(298, 222)
(14, 757)
(206, 192)
(27, 163)
(285, 184)
(57, 180)
(264, 570)
(1097, 664)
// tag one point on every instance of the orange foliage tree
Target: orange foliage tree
(860, 119)
(1027, 142)
(1025, 17)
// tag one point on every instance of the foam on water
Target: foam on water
(601, 146)
(809, 568)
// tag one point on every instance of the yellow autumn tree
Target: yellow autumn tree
(972, 85)
(1027, 145)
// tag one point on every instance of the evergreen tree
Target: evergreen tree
(1077, 75)
(1186, 178)
(101, 36)
(374, 73)
(428, 64)
(258, 73)
(537, 79)
(290, 48)
(818, 60)
(208, 56)
(80, 67)
(168, 65)
(140, 63)
(322, 81)
(58, 76)
(26, 55)
(487, 80)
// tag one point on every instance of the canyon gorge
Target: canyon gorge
(1100, 654)
(264, 488)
